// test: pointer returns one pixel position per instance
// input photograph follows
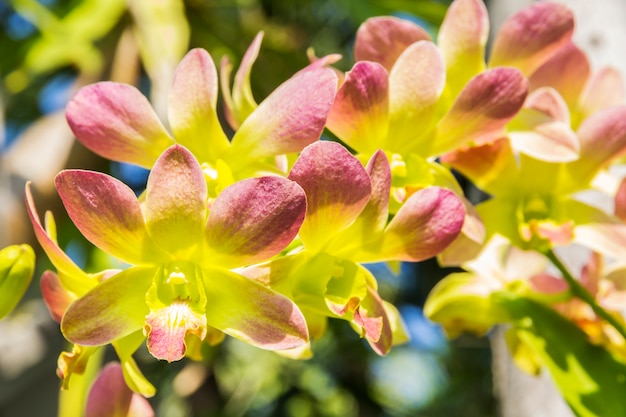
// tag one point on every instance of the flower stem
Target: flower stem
(580, 292)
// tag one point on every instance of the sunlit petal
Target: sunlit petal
(359, 115)
(253, 313)
(462, 39)
(77, 280)
(425, 225)
(292, 117)
(605, 88)
(337, 189)
(56, 298)
(191, 110)
(382, 39)
(107, 213)
(415, 85)
(114, 309)
(567, 72)
(531, 36)
(176, 200)
(117, 122)
(253, 220)
(482, 109)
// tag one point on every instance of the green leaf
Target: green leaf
(590, 379)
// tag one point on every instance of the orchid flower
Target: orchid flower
(180, 282)
(534, 203)
(117, 122)
(346, 225)
(396, 98)
(465, 301)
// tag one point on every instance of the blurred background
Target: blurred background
(50, 48)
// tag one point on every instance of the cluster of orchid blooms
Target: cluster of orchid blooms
(264, 236)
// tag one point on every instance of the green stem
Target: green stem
(580, 292)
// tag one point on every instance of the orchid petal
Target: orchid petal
(482, 109)
(605, 88)
(424, 226)
(112, 310)
(56, 298)
(602, 138)
(451, 299)
(530, 37)
(416, 82)
(76, 280)
(117, 122)
(468, 243)
(541, 129)
(243, 99)
(567, 72)
(372, 317)
(382, 39)
(372, 221)
(254, 219)
(176, 200)
(292, 117)
(109, 396)
(107, 213)
(192, 103)
(377, 209)
(462, 39)
(491, 167)
(597, 230)
(337, 189)
(253, 313)
(167, 328)
(359, 115)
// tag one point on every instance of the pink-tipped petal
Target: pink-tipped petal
(424, 226)
(542, 128)
(78, 281)
(110, 396)
(382, 39)
(253, 313)
(54, 295)
(243, 100)
(117, 122)
(597, 230)
(167, 328)
(254, 219)
(602, 138)
(462, 39)
(107, 213)
(416, 82)
(114, 309)
(605, 88)
(377, 209)
(359, 115)
(530, 37)
(176, 201)
(337, 189)
(292, 117)
(192, 103)
(482, 110)
(372, 317)
(491, 167)
(567, 72)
